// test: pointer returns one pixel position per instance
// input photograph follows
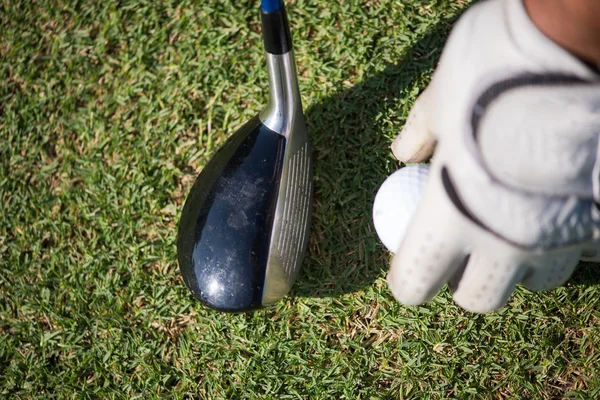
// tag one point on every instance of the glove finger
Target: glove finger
(430, 252)
(487, 283)
(551, 270)
(416, 142)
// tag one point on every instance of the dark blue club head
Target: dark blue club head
(225, 228)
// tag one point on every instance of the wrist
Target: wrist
(573, 24)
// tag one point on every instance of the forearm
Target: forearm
(573, 24)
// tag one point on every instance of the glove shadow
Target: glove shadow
(351, 133)
(587, 273)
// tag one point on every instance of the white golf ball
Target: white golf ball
(396, 203)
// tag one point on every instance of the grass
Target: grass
(109, 109)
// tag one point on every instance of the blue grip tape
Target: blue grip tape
(271, 5)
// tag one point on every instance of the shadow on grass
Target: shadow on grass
(586, 274)
(352, 158)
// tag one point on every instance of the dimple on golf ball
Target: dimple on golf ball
(396, 203)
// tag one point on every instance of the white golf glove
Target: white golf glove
(513, 192)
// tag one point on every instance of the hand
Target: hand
(514, 187)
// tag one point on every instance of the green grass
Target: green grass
(109, 109)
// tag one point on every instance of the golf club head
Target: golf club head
(244, 227)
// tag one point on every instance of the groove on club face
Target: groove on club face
(295, 212)
(227, 222)
(292, 221)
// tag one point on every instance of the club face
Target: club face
(244, 227)
(289, 237)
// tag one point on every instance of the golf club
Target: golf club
(243, 230)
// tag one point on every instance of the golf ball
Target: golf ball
(396, 203)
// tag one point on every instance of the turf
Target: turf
(109, 109)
